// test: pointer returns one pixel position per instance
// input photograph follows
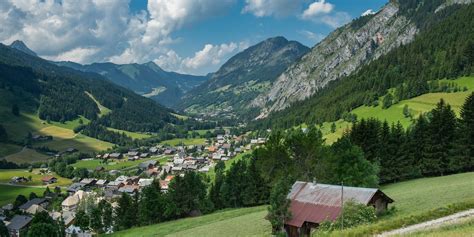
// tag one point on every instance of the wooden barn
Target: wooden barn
(313, 203)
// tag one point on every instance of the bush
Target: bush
(354, 214)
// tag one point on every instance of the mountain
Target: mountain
(19, 45)
(146, 79)
(62, 94)
(243, 77)
(442, 49)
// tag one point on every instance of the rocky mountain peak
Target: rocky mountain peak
(20, 45)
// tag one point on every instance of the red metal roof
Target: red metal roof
(315, 213)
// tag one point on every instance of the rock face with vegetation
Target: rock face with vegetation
(146, 79)
(243, 77)
(340, 54)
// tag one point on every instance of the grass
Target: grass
(9, 193)
(464, 228)
(26, 155)
(242, 222)
(185, 141)
(8, 149)
(133, 135)
(7, 174)
(114, 165)
(421, 200)
(103, 110)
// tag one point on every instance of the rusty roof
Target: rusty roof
(319, 202)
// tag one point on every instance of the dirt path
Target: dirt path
(451, 219)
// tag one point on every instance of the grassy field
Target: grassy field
(411, 198)
(114, 165)
(7, 174)
(133, 135)
(26, 155)
(9, 193)
(234, 222)
(8, 149)
(185, 141)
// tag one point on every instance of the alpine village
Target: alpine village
(112, 125)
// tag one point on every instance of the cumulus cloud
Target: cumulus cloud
(210, 55)
(278, 8)
(368, 12)
(323, 12)
(317, 9)
(101, 30)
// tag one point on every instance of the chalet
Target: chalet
(313, 203)
(35, 201)
(204, 169)
(17, 224)
(18, 180)
(74, 188)
(176, 169)
(129, 189)
(106, 156)
(115, 156)
(226, 146)
(49, 179)
(153, 150)
(99, 169)
(33, 209)
(147, 165)
(144, 182)
(133, 153)
(88, 182)
(41, 138)
(115, 184)
(101, 182)
(71, 202)
(144, 155)
(152, 172)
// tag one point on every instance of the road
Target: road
(451, 219)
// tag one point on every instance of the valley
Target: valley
(169, 127)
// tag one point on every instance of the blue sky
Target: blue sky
(188, 36)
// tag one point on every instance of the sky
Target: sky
(187, 36)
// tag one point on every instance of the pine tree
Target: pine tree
(124, 218)
(467, 133)
(278, 209)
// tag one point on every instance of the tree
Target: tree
(152, 205)
(467, 132)
(278, 209)
(15, 110)
(333, 127)
(347, 164)
(83, 220)
(3, 134)
(387, 101)
(42, 225)
(406, 111)
(215, 190)
(124, 217)
(96, 220)
(107, 214)
(20, 200)
(3, 230)
(188, 195)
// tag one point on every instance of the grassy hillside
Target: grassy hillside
(7, 174)
(465, 228)
(417, 105)
(115, 165)
(413, 197)
(185, 141)
(9, 193)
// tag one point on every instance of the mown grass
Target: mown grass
(233, 222)
(26, 155)
(133, 135)
(113, 165)
(9, 193)
(184, 141)
(7, 174)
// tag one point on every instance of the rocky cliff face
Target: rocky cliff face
(340, 54)
(243, 77)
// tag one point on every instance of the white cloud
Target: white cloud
(278, 8)
(368, 12)
(323, 12)
(101, 30)
(318, 8)
(210, 55)
(315, 37)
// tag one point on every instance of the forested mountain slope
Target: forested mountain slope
(243, 77)
(444, 48)
(348, 48)
(62, 94)
(146, 79)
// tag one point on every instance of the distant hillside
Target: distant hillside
(146, 79)
(349, 48)
(242, 78)
(63, 94)
(444, 48)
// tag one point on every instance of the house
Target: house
(18, 180)
(33, 209)
(129, 189)
(147, 165)
(144, 155)
(88, 182)
(35, 201)
(153, 150)
(115, 156)
(101, 182)
(73, 188)
(99, 169)
(49, 179)
(144, 182)
(311, 204)
(133, 153)
(71, 202)
(17, 224)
